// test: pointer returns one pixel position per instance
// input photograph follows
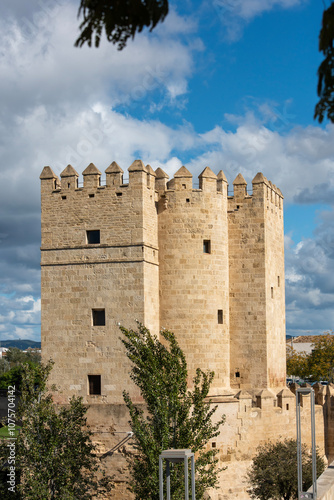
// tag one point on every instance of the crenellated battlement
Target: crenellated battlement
(144, 176)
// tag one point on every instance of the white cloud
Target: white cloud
(43, 66)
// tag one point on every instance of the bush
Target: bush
(274, 475)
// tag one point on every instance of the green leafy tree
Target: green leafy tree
(273, 474)
(119, 20)
(297, 363)
(12, 377)
(12, 371)
(4, 366)
(173, 417)
(321, 359)
(325, 89)
(54, 454)
(16, 356)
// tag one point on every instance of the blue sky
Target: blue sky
(228, 84)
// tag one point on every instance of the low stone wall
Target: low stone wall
(325, 484)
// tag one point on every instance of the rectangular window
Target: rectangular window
(93, 237)
(206, 246)
(94, 384)
(278, 281)
(98, 317)
(220, 317)
(272, 292)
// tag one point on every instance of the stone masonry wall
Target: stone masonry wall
(119, 275)
(256, 259)
(194, 279)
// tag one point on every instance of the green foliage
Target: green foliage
(53, 451)
(273, 474)
(119, 20)
(326, 68)
(297, 363)
(4, 366)
(11, 367)
(174, 417)
(318, 365)
(12, 377)
(321, 359)
(15, 356)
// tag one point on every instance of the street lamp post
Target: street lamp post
(177, 456)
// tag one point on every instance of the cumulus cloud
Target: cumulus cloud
(42, 65)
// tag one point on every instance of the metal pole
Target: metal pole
(314, 451)
(303, 391)
(299, 446)
(186, 484)
(161, 480)
(192, 478)
(168, 479)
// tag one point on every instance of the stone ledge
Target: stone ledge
(325, 484)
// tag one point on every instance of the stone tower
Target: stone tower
(206, 265)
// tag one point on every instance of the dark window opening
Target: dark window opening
(184, 186)
(119, 194)
(99, 317)
(237, 374)
(68, 185)
(272, 292)
(91, 195)
(63, 197)
(220, 317)
(94, 384)
(213, 444)
(238, 206)
(93, 237)
(287, 406)
(55, 184)
(188, 200)
(278, 281)
(206, 246)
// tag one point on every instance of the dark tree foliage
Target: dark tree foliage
(174, 417)
(325, 106)
(120, 20)
(16, 356)
(273, 474)
(54, 455)
(14, 361)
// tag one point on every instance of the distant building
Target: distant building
(3, 351)
(303, 343)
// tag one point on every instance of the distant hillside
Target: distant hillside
(20, 344)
